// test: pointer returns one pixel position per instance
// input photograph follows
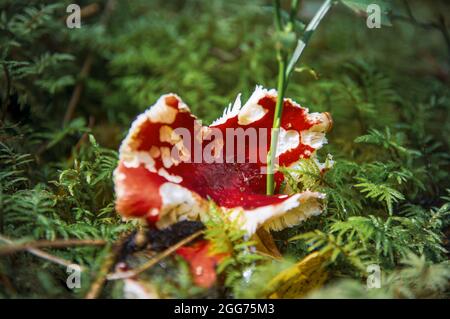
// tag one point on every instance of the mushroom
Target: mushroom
(171, 166)
(201, 262)
(160, 179)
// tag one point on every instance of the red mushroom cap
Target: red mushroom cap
(201, 262)
(159, 177)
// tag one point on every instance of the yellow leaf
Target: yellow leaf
(300, 279)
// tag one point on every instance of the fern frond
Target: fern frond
(380, 192)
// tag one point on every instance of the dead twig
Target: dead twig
(41, 254)
(13, 247)
(87, 11)
(76, 94)
(6, 282)
(85, 70)
(438, 26)
(107, 264)
(97, 286)
(155, 260)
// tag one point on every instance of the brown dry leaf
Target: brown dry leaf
(300, 279)
(265, 243)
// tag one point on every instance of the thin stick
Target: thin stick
(85, 70)
(41, 254)
(97, 286)
(107, 264)
(12, 247)
(440, 26)
(7, 284)
(155, 260)
(76, 94)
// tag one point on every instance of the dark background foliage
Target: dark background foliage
(68, 97)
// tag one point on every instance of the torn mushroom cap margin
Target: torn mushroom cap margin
(187, 204)
(298, 207)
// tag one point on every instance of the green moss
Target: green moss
(387, 90)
